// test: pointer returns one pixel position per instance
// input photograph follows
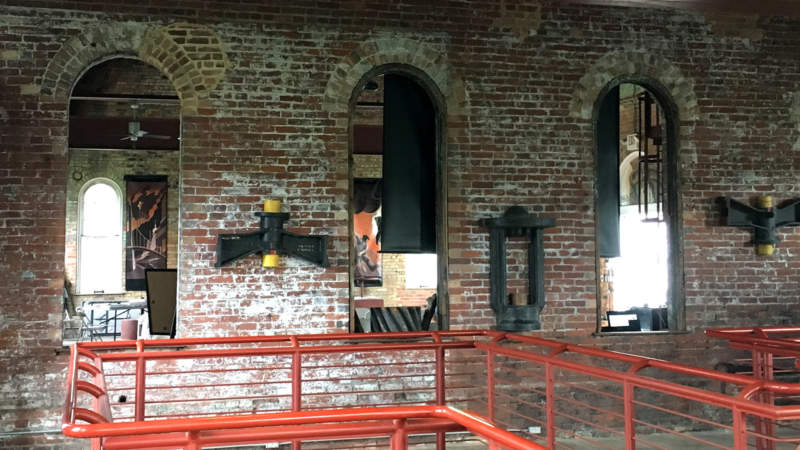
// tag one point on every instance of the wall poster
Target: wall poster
(366, 232)
(145, 227)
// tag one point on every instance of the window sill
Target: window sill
(638, 333)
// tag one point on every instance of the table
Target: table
(111, 312)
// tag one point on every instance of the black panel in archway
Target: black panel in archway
(408, 224)
(607, 181)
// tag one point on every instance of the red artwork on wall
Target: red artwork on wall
(145, 228)
(366, 232)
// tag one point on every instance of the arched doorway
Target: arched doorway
(124, 130)
(398, 263)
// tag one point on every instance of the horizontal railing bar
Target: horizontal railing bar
(199, 354)
(368, 377)
(663, 386)
(182, 372)
(580, 437)
(633, 359)
(514, 412)
(588, 405)
(623, 357)
(684, 415)
(594, 391)
(591, 424)
(517, 399)
(377, 405)
(287, 347)
(508, 426)
(772, 438)
(198, 386)
(503, 382)
(525, 373)
(675, 433)
(318, 433)
(345, 366)
(472, 422)
(242, 412)
(215, 399)
(378, 391)
(230, 340)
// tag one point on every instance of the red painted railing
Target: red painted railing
(773, 353)
(512, 391)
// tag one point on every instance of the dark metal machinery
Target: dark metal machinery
(764, 219)
(516, 222)
(648, 127)
(271, 239)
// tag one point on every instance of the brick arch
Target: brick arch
(80, 52)
(633, 65)
(377, 52)
(191, 57)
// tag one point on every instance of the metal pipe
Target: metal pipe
(297, 388)
(399, 437)
(194, 354)
(10, 434)
(627, 394)
(141, 365)
(550, 401)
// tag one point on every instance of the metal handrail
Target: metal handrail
(491, 342)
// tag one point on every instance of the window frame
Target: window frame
(673, 211)
(81, 220)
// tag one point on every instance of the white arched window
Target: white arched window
(100, 243)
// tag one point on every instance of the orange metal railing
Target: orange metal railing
(512, 391)
(773, 353)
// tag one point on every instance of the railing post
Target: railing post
(627, 399)
(490, 383)
(191, 441)
(399, 436)
(141, 366)
(297, 380)
(763, 370)
(550, 408)
(739, 430)
(440, 385)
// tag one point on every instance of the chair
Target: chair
(88, 331)
(75, 320)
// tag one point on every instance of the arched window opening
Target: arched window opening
(100, 245)
(396, 205)
(124, 142)
(637, 247)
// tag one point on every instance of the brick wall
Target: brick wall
(265, 116)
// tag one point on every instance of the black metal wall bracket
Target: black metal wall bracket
(764, 219)
(271, 238)
(516, 222)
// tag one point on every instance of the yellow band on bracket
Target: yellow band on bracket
(272, 206)
(271, 259)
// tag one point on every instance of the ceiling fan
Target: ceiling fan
(135, 131)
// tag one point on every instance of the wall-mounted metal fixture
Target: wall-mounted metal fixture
(764, 219)
(271, 241)
(516, 222)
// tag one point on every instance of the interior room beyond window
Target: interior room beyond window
(100, 260)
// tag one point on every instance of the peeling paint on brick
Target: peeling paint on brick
(735, 25)
(794, 114)
(522, 18)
